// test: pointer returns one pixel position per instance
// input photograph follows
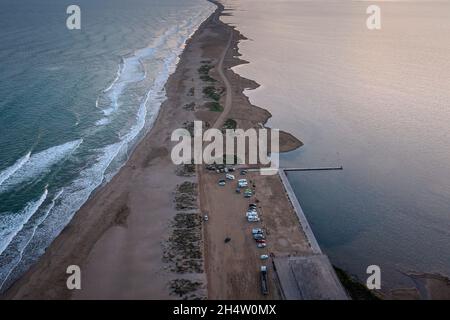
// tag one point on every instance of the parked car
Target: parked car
(264, 256)
(248, 193)
(253, 219)
(205, 217)
(229, 176)
(261, 245)
(257, 230)
(242, 183)
(258, 236)
(222, 182)
(251, 213)
(252, 205)
(238, 190)
(260, 241)
(243, 172)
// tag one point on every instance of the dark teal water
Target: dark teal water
(73, 103)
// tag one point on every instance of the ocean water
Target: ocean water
(376, 102)
(73, 103)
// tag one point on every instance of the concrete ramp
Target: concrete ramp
(309, 277)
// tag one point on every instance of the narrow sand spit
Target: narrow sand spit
(122, 237)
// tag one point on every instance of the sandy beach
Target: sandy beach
(120, 237)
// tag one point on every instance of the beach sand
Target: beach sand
(120, 236)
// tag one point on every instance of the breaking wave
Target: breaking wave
(37, 164)
(8, 172)
(12, 223)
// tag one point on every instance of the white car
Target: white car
(242, 183)
(257, 230)
(229, 176)
(251, 213)
(253, 219)
(264, 257)
(261, 245)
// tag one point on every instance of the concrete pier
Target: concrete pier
(307, 276)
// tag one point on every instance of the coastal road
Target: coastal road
(228, 92)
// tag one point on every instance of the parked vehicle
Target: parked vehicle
(261, 245)
(252, 205)
(264, 257)
(264, 284)
(205, 217)
(242, 183)
(229, 176)
(238, 190)
(222, 182)
(251, 214)
(253, 219)
(260, 241)
(243, 172)
(257, 230)
(259, 236)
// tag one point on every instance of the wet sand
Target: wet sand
(119, 237)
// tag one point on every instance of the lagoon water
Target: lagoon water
(376, 102)
(73, 104)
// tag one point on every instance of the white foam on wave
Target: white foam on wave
(91, 178)
(102, 122)
(8, 172)
(11, 223)
(39, 163)
(118, 73)
(59, 213)
(8, 269)
(132, 70)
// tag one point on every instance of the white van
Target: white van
(242, 183)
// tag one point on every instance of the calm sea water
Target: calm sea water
(376, 102)
(73, 103)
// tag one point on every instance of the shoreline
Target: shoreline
(129, 217)
(113, 240)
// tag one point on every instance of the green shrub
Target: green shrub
(216, 107)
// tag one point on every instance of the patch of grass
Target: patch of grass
(355, 289)
(230, 124)
(186, 196)
(204, 69)
(183, 250)
(211, 92)
(204, 73)
(185, 170)
(182, 287)
(207, 78)
(216, 107)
